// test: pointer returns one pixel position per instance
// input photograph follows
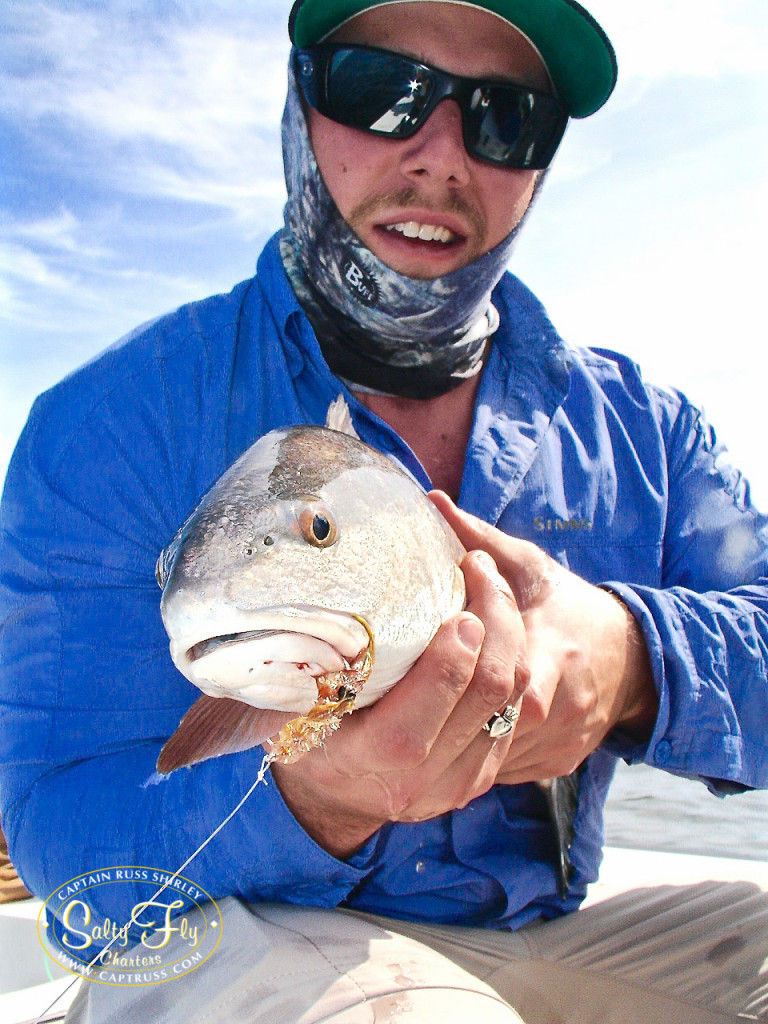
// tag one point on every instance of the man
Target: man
(415, 139)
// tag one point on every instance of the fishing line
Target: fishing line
(260, 778)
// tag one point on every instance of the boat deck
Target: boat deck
(30, 981)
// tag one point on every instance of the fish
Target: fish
(306, 583)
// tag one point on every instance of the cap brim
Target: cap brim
(577, 52)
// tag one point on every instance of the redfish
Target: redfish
(306, 583)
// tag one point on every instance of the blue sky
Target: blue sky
(141, 169)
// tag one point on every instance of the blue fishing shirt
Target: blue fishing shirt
(621, 482)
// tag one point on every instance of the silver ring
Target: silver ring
(502, 724)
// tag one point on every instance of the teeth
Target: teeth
(426, 232)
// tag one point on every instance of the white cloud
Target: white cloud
(40, 293)
(61, 231)
(156, 102)
(167, 79)
(661, 38)
(252, 201)
(22, 264)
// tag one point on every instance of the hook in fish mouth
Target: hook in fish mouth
(311, 711)
(336, 695)
(321, 673)
(213, 726)
(271, 657)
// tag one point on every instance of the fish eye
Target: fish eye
(317, 527)
(321, 528)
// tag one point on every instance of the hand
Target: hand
(586, 656)
(421, 750)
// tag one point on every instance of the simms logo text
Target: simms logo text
(542, 525)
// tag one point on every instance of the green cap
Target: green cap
(577, 52)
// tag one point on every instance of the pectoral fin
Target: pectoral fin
(218, 725)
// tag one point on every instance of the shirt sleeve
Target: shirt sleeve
(706, 626)
(88, 692)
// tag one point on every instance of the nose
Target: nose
(436, 152)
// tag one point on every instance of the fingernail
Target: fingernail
(488, 567)
(471, 633)
(485, 562)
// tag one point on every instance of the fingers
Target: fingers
(529, 571)
(501, 676)
(470, 775)
(399, 731)
(471, 531)
(421, 750)
(515, 774)
(501, 673)
(434, 717)
(377, 767)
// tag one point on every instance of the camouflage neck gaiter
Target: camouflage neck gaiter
(379, 330)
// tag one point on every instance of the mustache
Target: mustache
(410, 197)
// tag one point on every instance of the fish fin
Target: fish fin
(339, 418)
(562, 799)
(218, 725)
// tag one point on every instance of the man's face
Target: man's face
(390, 189)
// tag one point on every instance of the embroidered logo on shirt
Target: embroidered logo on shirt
(542, 525)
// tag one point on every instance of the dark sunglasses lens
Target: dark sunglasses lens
(388, 94)
(513, 127)
(377, 92)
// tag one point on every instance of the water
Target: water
(652, 810)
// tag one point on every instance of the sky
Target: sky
(141, 169)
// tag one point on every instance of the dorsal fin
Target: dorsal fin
(339, 417)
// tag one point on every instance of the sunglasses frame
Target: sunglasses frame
(312, 68)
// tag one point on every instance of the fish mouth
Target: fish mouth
(276, 660)
(209, 646)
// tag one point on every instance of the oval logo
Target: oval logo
(173, 928)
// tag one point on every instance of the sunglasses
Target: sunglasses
(388, 94)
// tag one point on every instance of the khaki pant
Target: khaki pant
(677, 954)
